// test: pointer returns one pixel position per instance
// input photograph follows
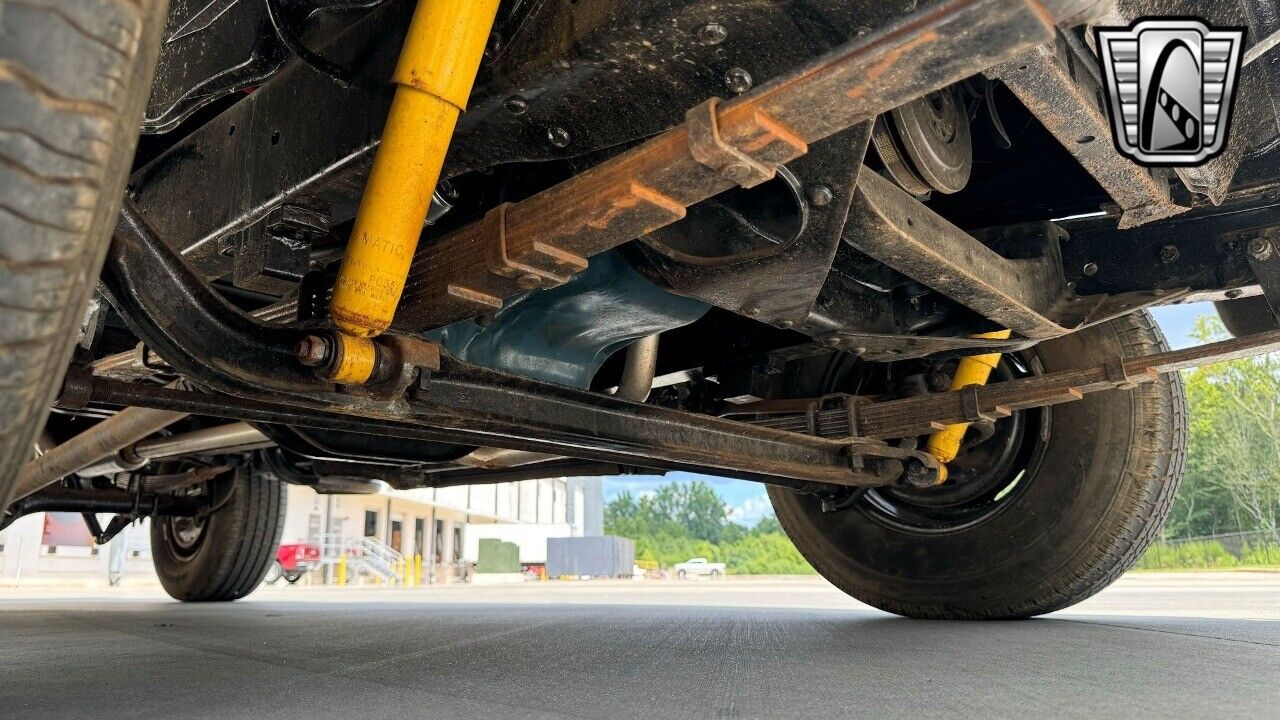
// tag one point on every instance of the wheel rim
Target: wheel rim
(186, 535)
(987, 476)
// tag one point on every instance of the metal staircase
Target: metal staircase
(367, 559)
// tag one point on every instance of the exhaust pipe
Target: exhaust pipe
(235, 436)
(101, 441)
(637, 374)
(118, 444)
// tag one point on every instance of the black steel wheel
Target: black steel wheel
(1043, 509)
(227, 553)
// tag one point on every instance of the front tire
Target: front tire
(1087, 504)
(225, 555)
(76, 76)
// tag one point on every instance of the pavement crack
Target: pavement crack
(1162, 631)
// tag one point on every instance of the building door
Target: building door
(371, 523)
(419, 536)
(437, 545)
(397, 535)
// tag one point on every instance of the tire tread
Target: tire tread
(74, 75)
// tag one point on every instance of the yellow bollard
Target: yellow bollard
(342, 569)
(437, 68)
(973, 370)
(417, 570)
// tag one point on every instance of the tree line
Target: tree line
(1232, 478)
(687, 520)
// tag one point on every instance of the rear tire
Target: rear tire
(74, 76)
(1082, 512)
(226, 555)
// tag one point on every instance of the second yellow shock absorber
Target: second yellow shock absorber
(433, 77)
(973, 370)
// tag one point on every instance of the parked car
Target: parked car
(293, 560)
(699, 566)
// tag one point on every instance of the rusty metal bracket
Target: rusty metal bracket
(1264, 260)
(895, 228)
(1055, 83)
(971, 404)
(540, 266)
(1116, 374)
(708, 147)
(544, 266)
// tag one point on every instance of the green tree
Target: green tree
(695, 507)
(682, 521)
(1232, 479)
(766, 525)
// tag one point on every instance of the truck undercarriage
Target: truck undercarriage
(786, 242)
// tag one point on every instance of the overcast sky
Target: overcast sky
(748, 501)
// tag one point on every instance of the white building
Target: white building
(428, 522)
(432, 522)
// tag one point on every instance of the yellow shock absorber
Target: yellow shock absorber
(437, 68)
(973, 370)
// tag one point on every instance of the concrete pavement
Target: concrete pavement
(1169, 645)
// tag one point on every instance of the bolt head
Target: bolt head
(1090, 269)
(738, 80)
(712, 34)
(916, 475)
(1234, 293)
(1259, 249)
(313, 351)
(559, 137)
(529, 282)
(1169, 253)
(820, 196)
